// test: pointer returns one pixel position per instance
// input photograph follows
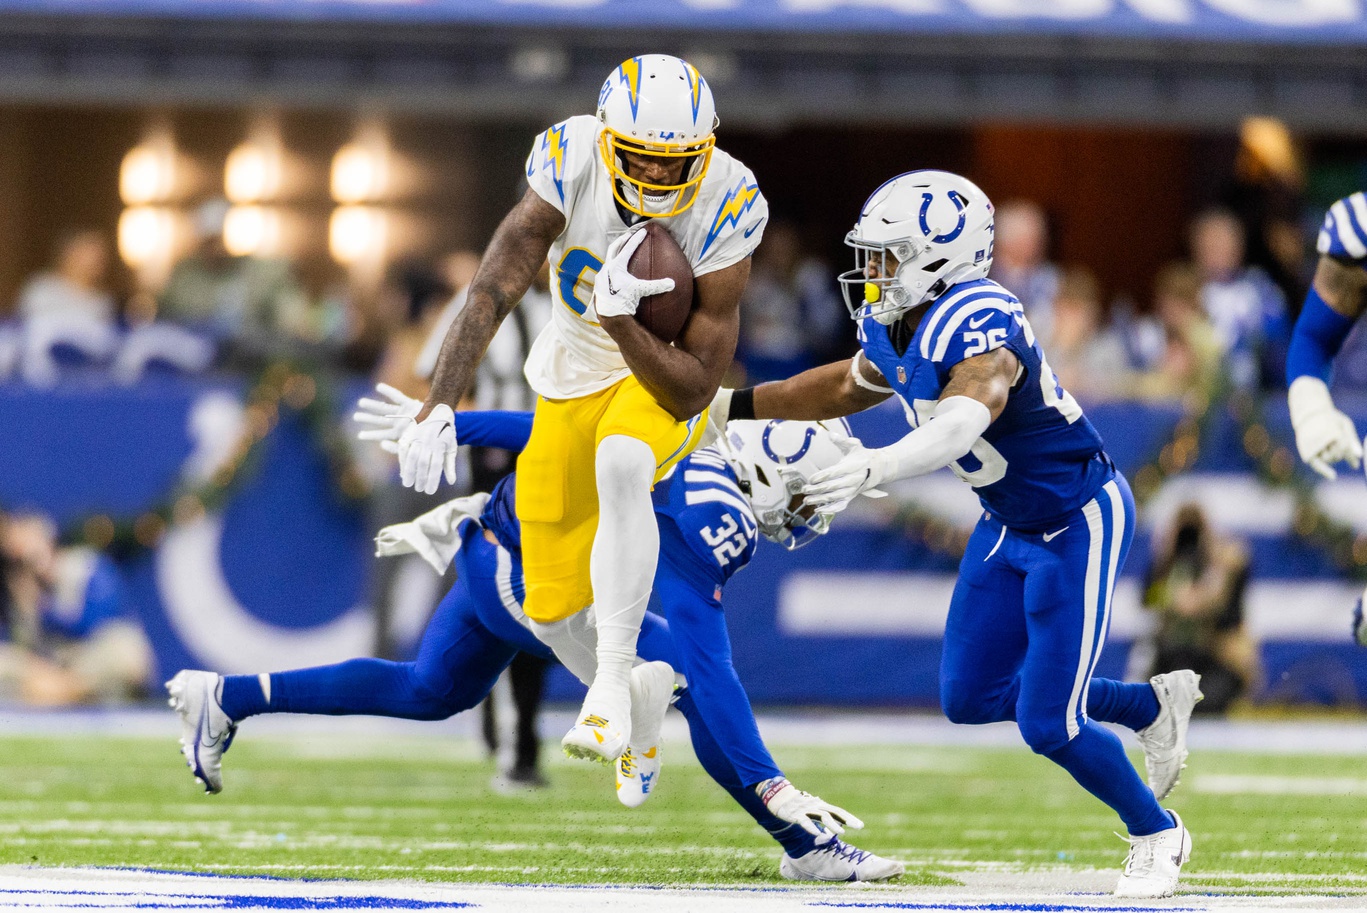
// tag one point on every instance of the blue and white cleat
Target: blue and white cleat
(638, 769)
(206, 731)
(1155, 862)
(836, 860)
(1165, 739)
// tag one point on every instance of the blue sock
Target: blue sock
(245, 695)
(1097, 761)
(1132, 705)
(794, 840)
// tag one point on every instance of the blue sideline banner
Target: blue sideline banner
(1273, 21)
(277, 578)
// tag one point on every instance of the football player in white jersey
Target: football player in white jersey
(617, 408)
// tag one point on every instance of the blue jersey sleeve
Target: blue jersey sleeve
(1344, 234)
(978, 322)
(494, 428)
(703, 646)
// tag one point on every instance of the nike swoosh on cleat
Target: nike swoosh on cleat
(1049, 537)
(974, 324)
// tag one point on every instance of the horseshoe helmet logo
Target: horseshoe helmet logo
(959, 203)
(791, 458)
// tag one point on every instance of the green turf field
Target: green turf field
(422, 809)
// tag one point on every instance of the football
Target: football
(659, 257)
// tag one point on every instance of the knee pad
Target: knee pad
(1044, 736)
(961, 705)
(624, 467)
(550, 601)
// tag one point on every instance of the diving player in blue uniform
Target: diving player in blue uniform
(1031, 607)
(1337, 298)
(710, 514)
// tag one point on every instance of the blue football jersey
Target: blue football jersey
(1041, 458)
(699, 506)
(1344, 234)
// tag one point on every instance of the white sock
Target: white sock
(622, 564)
(574, 642)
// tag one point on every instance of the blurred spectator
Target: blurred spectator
(1267, 195)
(1195, 587)
(791, 312)
(253, 306)
(74, 286)
(1088, 357)
(1246, 308)
(1020, 264)
(68, 634)
(501, 384)
(67, 314)
(1188, 354)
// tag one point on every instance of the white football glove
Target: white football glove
(427, 451)
(387, 420)
(1324, 435)
(616, 292)
(435, 535)
(859, 472)
(811, 813)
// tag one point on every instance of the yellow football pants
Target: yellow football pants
(557, 489)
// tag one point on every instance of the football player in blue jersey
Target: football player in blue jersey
(1031, 607)
(710, 513)
(1337, 298)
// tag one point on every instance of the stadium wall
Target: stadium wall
(275, 579)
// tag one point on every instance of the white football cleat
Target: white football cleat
(206, 731)
(836, 860)
(1165, 739)
(1155, 862)
(638, 769)
(603, 730)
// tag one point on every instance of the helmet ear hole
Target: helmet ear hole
(759, 474)
(934, 266)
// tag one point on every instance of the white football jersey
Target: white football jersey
(573, 356)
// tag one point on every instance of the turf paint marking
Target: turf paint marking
(51, 899)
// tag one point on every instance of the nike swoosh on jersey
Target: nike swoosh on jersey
(752, 229)
(1049, 537)
(974, 324)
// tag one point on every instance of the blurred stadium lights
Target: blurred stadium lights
(148, 172)
(360, 169)
(251, 231)
(254, 169)
(356, 236)
(539, 64)
(147, 237)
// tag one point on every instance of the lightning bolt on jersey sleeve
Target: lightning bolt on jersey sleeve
(1344, 234)
(557, 159)
(735, 223)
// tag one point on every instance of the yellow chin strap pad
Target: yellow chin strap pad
(872, 293)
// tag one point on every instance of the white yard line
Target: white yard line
(1066, 890)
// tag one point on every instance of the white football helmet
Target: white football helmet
(917, 235)
(657, 105)
(774, 460)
